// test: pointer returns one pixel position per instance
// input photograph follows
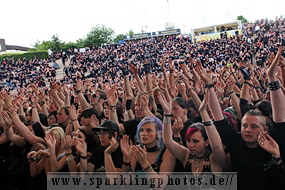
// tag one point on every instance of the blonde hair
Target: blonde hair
(58, 133)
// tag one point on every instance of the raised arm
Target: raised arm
(83, 103)
(276, 94)
(134, 71)
(218, 153)
(177, 150)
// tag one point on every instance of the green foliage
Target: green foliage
(118, 37)
(242, 19)
(28, 55)
(99, 35)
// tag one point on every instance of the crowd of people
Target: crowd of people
(150, 106)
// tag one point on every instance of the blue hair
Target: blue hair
(158, 127)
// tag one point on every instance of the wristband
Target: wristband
(208, 123)
(166, 120)
(125, 71)
(248, 83)
(169, 115)
(83, 157)
(68, 154)
(177, 139)
(33, 159)
(73, 120)
(274, 85)
(126, 163)
(147, 68)
(77, 91)
(128, 104)
(147, 168)
(209, 85)
(231, 92)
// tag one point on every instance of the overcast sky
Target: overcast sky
(24, 22)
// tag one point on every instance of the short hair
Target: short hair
(66, 109)
(265, 108)
(257, 114)
(150, 99)
(194, 128)
(102, 94)
(158, 127)
(87, 113)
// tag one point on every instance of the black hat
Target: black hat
(107, 125)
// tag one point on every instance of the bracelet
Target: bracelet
(177, 139)
(74, 120)
(171, 71)
(77, 91)
(169, 115)
(46, 157)
(248, 83)
(112, 106)
(231, 92)
(209, 85)
(208, 123)
(128, 104)
(125, 71)
(147, 169)
(8, 126)
(33, 107)
(68, 154)
(166, 120)
(274, 85)
(83, 157)
(42, 103)
(33, 159)
(273, 161)
(126, 163)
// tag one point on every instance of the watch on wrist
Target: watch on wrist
(68, 159)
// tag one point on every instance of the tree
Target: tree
(118, 37)
(99, 35)
(242, 19)
(57, 42)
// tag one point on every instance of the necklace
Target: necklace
(153, 149)
(198, 160)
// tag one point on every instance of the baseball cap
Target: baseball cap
(107, 125)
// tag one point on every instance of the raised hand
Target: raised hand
(50, 140)
(133, 69)
(68, 143)
(112, 147)
(6, 118)
(167, 107)
(204, 103)
(271, 71)
(112, 97)
(94, 121)
(268, 144)
(72, 112)
(126, 146)
(140, 154)
(177, 127)
(144, 102)
(81, 146)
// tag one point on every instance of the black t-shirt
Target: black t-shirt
(97, 158)
(249, 162)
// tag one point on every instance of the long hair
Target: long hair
(158, 127)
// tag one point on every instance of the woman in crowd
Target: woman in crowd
(204, 152)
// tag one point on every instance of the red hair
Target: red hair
(190, 131)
